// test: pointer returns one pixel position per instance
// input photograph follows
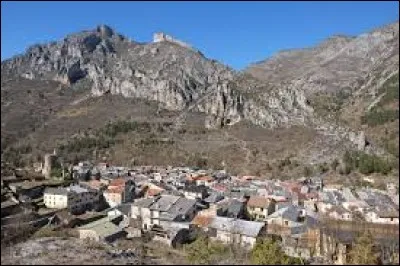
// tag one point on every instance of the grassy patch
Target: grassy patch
(325, 104)
(73, 112)
(391, 90)
(49, 232)
(382, 113)
(109, 135)
(377, 117)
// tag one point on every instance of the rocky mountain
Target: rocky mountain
(91, 69)
(166, 72)
(343, 77)
(338, 63)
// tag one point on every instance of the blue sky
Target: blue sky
(235, 33)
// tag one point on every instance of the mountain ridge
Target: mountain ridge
(100, 61)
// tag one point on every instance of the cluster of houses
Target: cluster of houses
(174, 205)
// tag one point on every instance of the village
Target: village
(313, 221)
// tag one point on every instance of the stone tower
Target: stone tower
(49, 162)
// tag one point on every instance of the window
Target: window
(286, 222)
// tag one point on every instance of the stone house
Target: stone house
(213, 199)
(260, 207)
(160, 207)
(192, 191)
(236, 231)
(122, 210)
(340, 213)
(101, 230)
(289, 220)
(119, 191)
(141, 212)
(231, 208)
(172, 234)
(163, 210)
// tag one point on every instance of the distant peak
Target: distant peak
(105, 30)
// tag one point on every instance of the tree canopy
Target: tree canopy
(204, 251)
(363, 252)
(268, 252)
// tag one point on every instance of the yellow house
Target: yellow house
(260, 207)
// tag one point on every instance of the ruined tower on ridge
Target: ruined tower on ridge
(49, 162)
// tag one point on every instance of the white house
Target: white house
(75, 198)
(340, 213)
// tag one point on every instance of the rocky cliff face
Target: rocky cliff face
(170, 74)
(271, 94)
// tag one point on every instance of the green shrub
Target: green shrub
(323, 168)
(307, 171)
(204, 251)
(391, 90)
(49, 232)
(268, 252)
(56, 172)
(365, 163)
(378, 117)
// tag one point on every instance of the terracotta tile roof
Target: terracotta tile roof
(117, 182)
(204, 178)
(202, 220)
(117, 190)
(154, 191)
(258, 201)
